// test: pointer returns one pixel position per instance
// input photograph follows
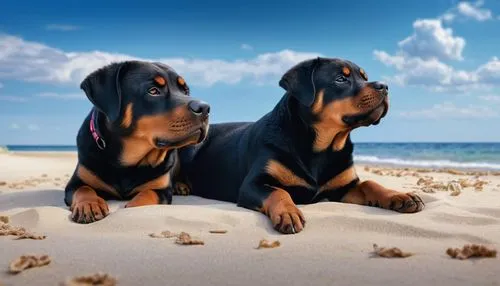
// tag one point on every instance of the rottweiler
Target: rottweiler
(298, 153)
(127, 145)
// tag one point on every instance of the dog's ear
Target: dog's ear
(299, 81)
(102, 88)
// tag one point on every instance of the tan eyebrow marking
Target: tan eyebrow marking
(363, 74)
(160, 80)
(181, 80)
(346, 71)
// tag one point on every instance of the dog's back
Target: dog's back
(217, 173)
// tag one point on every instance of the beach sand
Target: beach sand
(335, 248)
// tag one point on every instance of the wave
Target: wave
(4, 149)
(427, 163)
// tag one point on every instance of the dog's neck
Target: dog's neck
(129, 152)
(299, 140)
(95, 129)
(303, 133)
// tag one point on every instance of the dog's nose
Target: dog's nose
(199, 107)
(380, 86)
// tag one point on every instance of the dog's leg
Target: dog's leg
(284, 214)
(151, 197)
(87, 206)
(372, 194)
(275, 203)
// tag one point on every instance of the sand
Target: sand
(334, 249)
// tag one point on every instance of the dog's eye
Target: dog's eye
(153, 91)
(341, 79)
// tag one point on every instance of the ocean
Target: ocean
(483, 156)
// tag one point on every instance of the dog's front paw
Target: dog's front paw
(89, 211)
(406, 203)
(287, 218)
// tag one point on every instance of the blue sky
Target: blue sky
(440, 59)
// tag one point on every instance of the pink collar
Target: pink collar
(94, 130)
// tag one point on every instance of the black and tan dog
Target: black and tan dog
(127, 145)
(298, 153)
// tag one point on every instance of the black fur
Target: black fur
(230, 164)
(110, 89)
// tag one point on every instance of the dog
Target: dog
(127, 145)
(298, 153)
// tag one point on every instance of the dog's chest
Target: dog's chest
(130, 182)
(322, 177)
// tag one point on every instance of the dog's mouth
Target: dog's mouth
(372, 117)
(195, 136)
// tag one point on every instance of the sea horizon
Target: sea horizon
(459, 155)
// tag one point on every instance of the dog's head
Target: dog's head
(148, 103)
(334, 97)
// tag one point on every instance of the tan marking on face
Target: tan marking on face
(284, 175)
(363, 74)
(330, 128)
(91, 179)
(135, 150)
(346, 71)
(330, 124)
(160, 80)
(318, 102)
(159, 183)
(154, 158)
(139, 148)
(181, 81)
(340, 180)
(339, 140)
(127, 117)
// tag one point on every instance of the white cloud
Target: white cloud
(61, 95)
(451, 111)
(423, 59)
(14, 126)
(10, 98)
(431, 40)
(490, 71)
(62, 28)
(246, 47)
(474, 11)
(467, 10)
(430, 73)
(438, 76)
(36, 62)
(33, 127)
(448, 17)
(490, 98)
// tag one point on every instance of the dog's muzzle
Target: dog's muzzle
(371, 117)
